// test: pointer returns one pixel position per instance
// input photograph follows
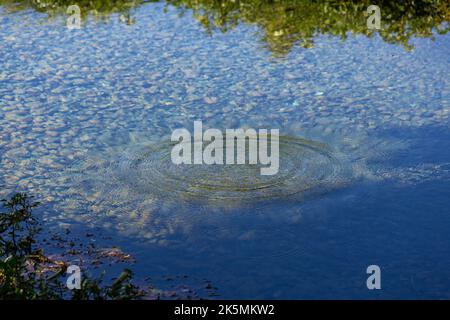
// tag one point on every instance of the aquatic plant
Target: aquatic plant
(27, 273)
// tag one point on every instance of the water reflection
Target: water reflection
(79, 111)
(282, 23)
(288, 22)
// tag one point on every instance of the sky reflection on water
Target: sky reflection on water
(74, 102)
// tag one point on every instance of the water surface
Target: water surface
(86, 115)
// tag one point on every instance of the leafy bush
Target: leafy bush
(26, 273)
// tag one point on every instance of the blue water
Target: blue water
(77, 106)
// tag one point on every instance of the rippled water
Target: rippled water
(305, 165)
(85, 117)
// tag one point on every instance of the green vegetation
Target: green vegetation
(99, 9)
(283, 23)
(26, 273)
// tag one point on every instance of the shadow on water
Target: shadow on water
(282, 24)
(301, 242)
(310, 238)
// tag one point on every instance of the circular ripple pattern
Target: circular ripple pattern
(305, 166)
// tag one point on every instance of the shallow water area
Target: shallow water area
(86, 117)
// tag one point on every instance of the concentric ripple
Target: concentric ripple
(305, 166)
(134, 187)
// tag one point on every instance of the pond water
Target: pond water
(86, 116)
